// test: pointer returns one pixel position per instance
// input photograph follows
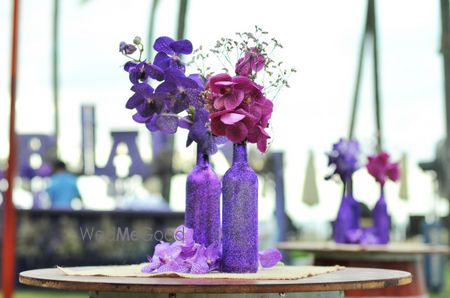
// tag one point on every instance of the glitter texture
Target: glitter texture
(203, 201)
(381, 220)
(240, 215)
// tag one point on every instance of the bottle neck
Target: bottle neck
(202, 158)
(240, 153)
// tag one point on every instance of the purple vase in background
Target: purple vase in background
(240, 215)
(203, 201)
(381, 220)
(348, 217)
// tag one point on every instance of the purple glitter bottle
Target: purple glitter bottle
(381, 219)
(348, 215)
(240, 215)
(203, 201)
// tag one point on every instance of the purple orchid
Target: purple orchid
(186, 256)
(142, 71)
(344, 158)
(169, 52)
(126, 48)
(269, 257)
(199, 131)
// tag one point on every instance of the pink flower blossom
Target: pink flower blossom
(239, 110)
(253, 60)
(382, 169)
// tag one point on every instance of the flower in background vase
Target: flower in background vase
(344, 158)
(382, 169)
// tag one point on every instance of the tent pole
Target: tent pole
(9, 227)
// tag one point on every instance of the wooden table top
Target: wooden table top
(346, 279)
(404, 248)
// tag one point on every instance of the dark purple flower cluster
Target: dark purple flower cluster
(186, 256)
(344, 158)
(159, 108)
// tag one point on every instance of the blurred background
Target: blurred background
(71, 93)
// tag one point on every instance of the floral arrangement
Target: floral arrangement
(344, 159)
(382, 169)
(214, 108)
(211, 106)
(186, 256)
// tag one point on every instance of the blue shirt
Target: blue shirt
(63, 189)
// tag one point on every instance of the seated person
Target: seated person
(63, 187)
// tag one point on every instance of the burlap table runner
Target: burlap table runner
(275, 273)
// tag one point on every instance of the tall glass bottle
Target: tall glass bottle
(240, 215)
(381, 219)
(203, 201)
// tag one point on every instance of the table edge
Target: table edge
(212, 288)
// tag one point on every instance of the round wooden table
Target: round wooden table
(397, 256)
(329, 285)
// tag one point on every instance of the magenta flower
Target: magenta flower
(382, 169)
(239, 110)
(229, 92)
(269, 257)
(253, 60)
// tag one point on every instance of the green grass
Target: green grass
(446, 292)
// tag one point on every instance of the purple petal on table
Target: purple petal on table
(199, 263)
(162, 44)
(155, 263)
(174, 266)
(184, 234)
(269, 257)
(212, 253)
